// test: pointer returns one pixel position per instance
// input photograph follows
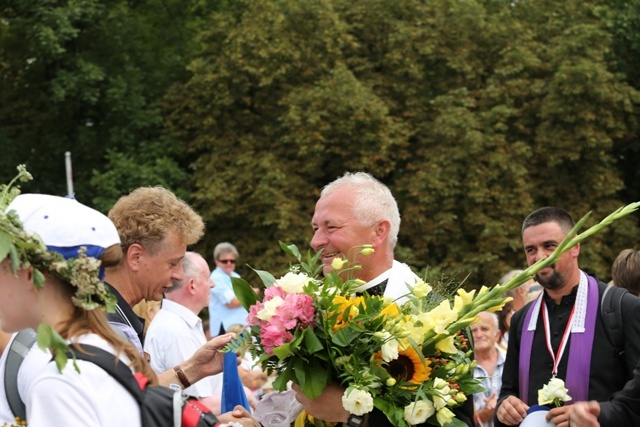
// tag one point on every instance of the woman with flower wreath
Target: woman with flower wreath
(53, 252)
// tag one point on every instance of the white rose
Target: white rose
(389, 350)
(418, 412)
(269, 308)
(553, 392)
(357, 401)
(293, 283)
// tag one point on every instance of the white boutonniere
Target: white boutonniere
(553, 392)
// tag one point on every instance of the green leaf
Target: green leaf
(267, 278)
(291, 250)
(15, 259)
(47, 337)
(394, 414)
(280, 383)
(283, 351)
(455, 423)
(344, 336)
(38, 278)
(5, 245)
(311, 381)
(244, 292)
(311, 341)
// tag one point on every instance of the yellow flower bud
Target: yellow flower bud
(338, 263)
(391, 382)
(461, 398)
(367, 251)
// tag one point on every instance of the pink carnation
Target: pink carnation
(273, 335)
(252, 317)
(296, 310)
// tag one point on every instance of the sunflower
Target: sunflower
(345, 304)
(409, 367)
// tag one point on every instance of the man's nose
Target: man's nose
(319, 240)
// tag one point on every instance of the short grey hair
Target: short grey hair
(224, 248)
(190, 268)
(496, 321)
(374, 201)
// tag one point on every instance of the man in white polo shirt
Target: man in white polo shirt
(176, 333)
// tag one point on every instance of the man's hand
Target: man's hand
(327, 406)
(585, 414)
(512, 411)
(560, 416)
(239, 415)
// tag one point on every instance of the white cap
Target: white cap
(65, 225)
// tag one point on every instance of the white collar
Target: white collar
(580, 314)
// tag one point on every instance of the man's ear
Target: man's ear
(380, 233)
(575, 251)
(134, 254)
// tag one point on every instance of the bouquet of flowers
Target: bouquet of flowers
(410, 358)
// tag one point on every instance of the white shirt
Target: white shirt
(399, 279)
(174, 335)
(89, 398)
(33, 362)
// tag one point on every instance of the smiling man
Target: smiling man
(561, 333)
(354, 210)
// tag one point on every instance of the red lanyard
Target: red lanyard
(547, 334)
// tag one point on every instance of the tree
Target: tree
(474, 114)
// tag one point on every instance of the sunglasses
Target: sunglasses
(227, 261)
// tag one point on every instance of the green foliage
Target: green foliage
(473, 113)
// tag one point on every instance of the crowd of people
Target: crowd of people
(50, 273)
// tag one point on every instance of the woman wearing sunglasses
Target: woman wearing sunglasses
(224, 307)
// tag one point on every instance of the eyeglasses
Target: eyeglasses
(227, 261)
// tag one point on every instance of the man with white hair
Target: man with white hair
(176, 333)
(355, 210)
(489, 366)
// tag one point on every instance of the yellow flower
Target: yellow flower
(440, 317)
(499, 306)
(463, 298)
(345, 304)
(421, 289)
(338, 263)
(412, 331)
(409, 367)
(444, 416)
(367, 251)
(390, 310)
(447, 345)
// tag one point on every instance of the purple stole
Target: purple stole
(579, 363)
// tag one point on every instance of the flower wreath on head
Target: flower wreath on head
(25, 249)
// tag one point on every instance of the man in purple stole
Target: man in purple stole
(561, 333)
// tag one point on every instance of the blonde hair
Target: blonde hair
(148, 214)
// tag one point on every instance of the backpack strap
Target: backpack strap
(110, 364)
(18, 350)
(611, 311)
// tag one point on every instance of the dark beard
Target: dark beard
(551, 282)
